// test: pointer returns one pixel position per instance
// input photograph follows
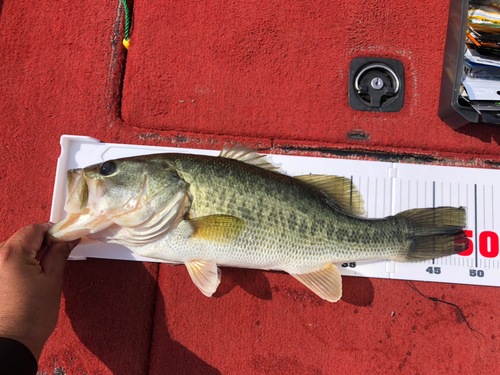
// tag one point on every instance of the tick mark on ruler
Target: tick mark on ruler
(493, 210)
(475, 223)
(434, 205)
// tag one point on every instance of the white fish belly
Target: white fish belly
(245, 252)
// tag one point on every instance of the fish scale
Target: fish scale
(277, 220)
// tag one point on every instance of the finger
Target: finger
(42, 250)
(46, 239)
(28, 239)
(54, 259)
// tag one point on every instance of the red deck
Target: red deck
(269, 74)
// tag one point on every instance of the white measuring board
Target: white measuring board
(387, 188)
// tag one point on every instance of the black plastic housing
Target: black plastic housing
(385, 101)
(450, 109)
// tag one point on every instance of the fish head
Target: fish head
(120, 193)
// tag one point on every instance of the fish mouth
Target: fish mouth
(80, 219)
(83, 215)
(135, 222)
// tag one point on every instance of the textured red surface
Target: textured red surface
(63, 68)
(280, 70)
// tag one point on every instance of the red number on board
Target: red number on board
(490, 251)
(469, 251)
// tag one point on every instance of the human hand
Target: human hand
(31, 278)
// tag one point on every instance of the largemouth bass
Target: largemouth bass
(236, 210)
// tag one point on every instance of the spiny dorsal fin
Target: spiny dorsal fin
(326, 282)
(217, 228)
(247, 155)
(341, 189)
(205, 275)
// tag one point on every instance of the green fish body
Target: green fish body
(235, 210)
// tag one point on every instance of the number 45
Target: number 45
(433, 270)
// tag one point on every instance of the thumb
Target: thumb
(54, 259)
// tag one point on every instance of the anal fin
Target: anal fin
(325, 282)
(205, 275)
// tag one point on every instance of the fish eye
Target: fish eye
(107, 168)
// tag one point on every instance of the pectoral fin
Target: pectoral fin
(326, 282)
(205, 275)
(217, 228)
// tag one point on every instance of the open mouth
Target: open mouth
(85, 213)
(125, 217)
(80, 219)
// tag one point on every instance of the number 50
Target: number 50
(488, 244)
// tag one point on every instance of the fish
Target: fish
(238, 210)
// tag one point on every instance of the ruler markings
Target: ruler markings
(393, 195)
(459, 194)
(417, 194)
(383, 208)
(475, 223)
(419, 197)
(409, 194)
(359, 188)
(484, 206)
(401, 195)
(425, 193)
(493, 209)
(350, 198)
(365, 204)
(442, 195)
(450, 192)
(433, 194)
(481, 198)
(368, 194)
(467, 196)
(434, 206)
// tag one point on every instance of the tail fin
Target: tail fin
(437, 232)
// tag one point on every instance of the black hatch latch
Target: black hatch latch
(376, 84)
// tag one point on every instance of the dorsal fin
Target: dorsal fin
(341, 189)
(247, 155)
